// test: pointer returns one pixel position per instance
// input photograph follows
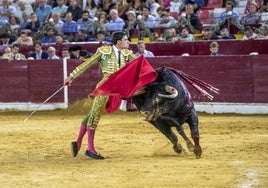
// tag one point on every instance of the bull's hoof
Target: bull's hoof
(197, 152)
(177, 148)
(190, 146)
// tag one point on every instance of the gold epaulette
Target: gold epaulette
(126, 52)
(106, 49)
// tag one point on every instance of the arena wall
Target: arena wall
(242, 80)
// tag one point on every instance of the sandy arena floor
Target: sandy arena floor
(36, 153)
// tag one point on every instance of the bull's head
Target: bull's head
(153, 101)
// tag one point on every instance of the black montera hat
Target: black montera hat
(117, 35)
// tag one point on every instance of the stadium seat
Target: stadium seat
(213, 4)
(204, 16)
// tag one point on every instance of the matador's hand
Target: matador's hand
(68, 81)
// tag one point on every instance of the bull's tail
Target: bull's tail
(197, 84)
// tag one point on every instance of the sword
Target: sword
(44, 102)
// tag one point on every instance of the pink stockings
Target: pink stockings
(82, 132)
(90, 134)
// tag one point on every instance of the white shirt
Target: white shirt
(116, 51)
(146, 53)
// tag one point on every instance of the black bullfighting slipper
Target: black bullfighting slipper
(93, 156)
(74, 148)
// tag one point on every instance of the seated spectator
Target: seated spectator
(3, 20)
(171, 35)
(131, 22)
(142, 50)
(122, 7)
(5, 28)
(115, 23)
(197, 4)
(263, 32)
(76, 52)
(153, 7)
(190, 19)
(42, 32)
(166, 22)
(52, 3)
(165, 4)
(50, 36)
(6, 10)
(259, 4)
(75, 9)
(69, 26)
(57, 20)
(60, 39)
(38, 52)
(157, 19)
(207, 33)
(229, 13)
(107, 5)
(214, 49)
(175, 6)
(148, 19)
(84, 36)
(85, 22)
(14, 54)
(25, 21)
(61, 9)
(100, 23)
(249, 34)
(7, 50)
(224, 34)
(34, 24)
(264, 7)
(25, 9)
(52, 53)
(253, 16)
(5, 39)
(92, 7)
(24, 39)
(185, 36)
(43, 11)
(103, 37)
(65, 53)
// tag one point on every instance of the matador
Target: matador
(111, 58)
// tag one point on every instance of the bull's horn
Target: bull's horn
(139, 92)
(173, 93)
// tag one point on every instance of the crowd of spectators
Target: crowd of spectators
(31, 22)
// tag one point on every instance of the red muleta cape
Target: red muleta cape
(125, 82)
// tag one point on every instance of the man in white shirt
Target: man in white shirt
(142, 50)
(52, 53)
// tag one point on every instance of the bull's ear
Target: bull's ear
(139, 92)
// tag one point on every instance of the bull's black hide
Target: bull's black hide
(167, 103)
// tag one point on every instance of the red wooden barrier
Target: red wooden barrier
(241, 79)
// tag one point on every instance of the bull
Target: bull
(167, 103)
